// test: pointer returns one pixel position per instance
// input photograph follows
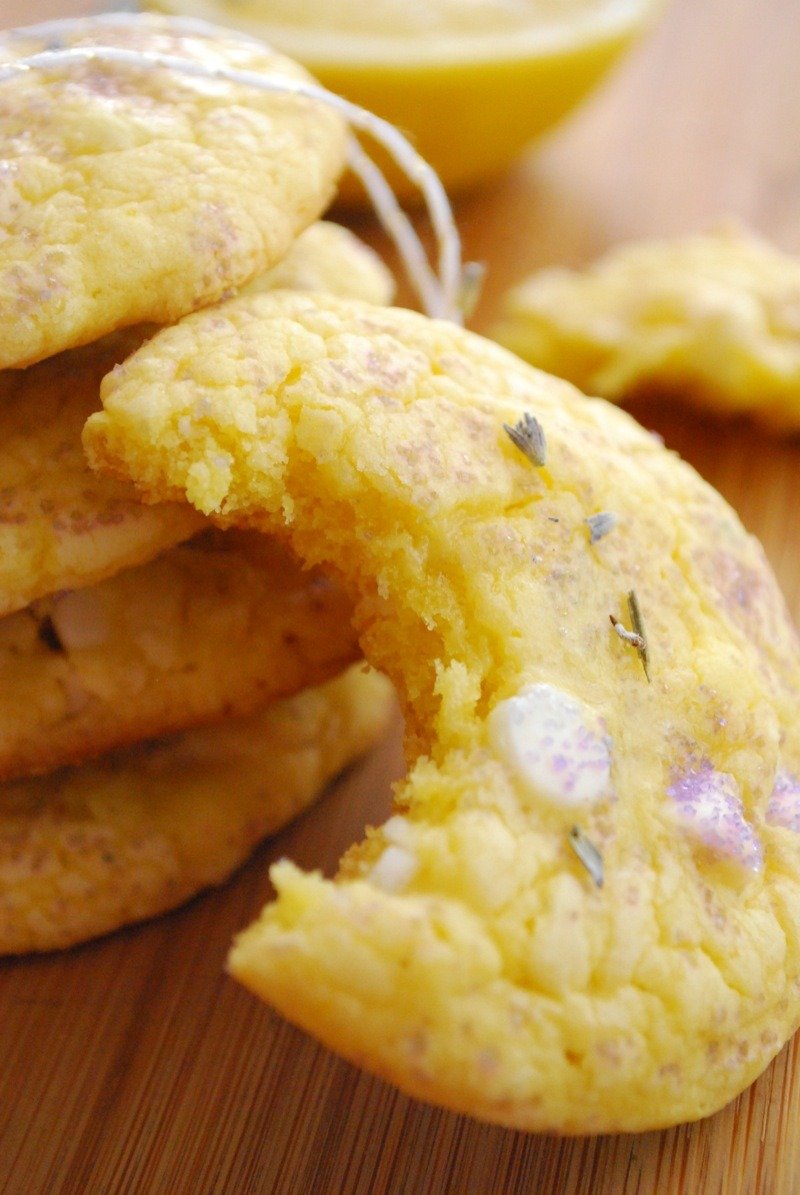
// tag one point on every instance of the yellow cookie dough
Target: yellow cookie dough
(84, 852)
(213, 627)
(135, 194)
(583, 915)
(712, 320)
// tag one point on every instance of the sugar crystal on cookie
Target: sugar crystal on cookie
(784, 802)
(710, 808)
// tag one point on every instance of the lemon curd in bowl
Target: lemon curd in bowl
(471, 82)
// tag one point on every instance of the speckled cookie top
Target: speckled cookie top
(131, 194)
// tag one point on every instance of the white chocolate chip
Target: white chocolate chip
(397, 830)
(394, 869)
(555, 744)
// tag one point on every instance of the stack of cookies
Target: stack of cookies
(172, 692)
(582, 915)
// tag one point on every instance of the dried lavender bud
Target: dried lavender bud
(529, 438)
(588, 854)
(600, 525)
(636, 637)
(631, 637)
(638, 626)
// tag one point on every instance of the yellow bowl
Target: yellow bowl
(470, 82)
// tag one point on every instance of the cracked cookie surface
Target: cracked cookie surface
(134, 194)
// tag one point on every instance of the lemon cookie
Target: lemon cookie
(213, 627)
(713, 320)
(582, 916)
(84, 852)
(136, 193)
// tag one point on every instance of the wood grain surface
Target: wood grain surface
(134, 1064)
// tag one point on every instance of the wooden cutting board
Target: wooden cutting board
(134, 1064)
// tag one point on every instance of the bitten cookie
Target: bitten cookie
(134, 194)
(583, 915)
(713, 320)
(84, 852)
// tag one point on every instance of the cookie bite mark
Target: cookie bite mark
(709, 807)
(557, 747)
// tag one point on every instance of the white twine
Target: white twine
(440, 290)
